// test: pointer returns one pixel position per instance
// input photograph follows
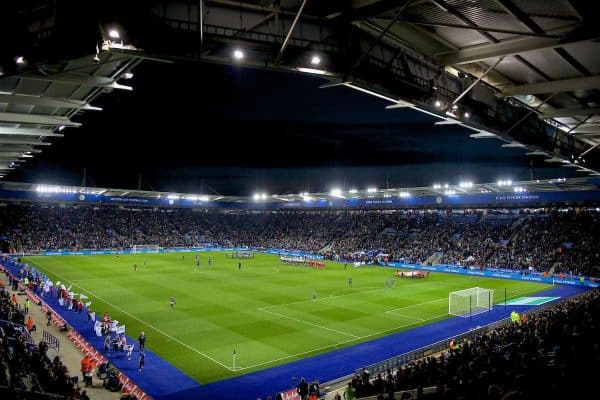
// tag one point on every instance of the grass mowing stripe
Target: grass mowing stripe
(335, 345)
(146, 323)
(221, 308)
(308, 323)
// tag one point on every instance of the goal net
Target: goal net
(472, 301)
(145, 248)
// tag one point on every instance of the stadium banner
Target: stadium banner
(291, 394)
(534, 277)
(454, 200)
(280, 252)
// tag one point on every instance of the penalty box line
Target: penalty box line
(334, 345)
(187, 346)
(400, 287)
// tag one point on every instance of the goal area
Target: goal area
(472, 301)
(145, 248)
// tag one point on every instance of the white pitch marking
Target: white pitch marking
(150, 326)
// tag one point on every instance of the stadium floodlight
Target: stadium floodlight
(466, 114)
(507, 182)
(449, 192)
(438, 103)
(465, 185)
(520, 189)
(55, 189)
(114, 34)
(336, 192)
(446, 186)
(256, 197)
(352, 191)
(173, 197)
(128, 75)
(404, 194)
(20, 60)
(315, 60)
(263, 196)
(437, 186)
(372, 190)
(238, 54)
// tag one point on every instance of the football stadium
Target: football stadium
(295, 199)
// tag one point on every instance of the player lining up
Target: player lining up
(172, 302)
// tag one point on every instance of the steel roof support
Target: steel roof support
(472, 85)
(28, 132)
(559, 86)
(570, 112)
(44, 101)
(36, 119)
(289, 34)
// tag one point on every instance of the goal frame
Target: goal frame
(475, 300)
(145, 248)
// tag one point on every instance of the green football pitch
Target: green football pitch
(265, 310)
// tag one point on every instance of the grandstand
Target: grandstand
(449, 289)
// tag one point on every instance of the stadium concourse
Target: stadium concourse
(548, 240)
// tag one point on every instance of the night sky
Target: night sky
(231, 130)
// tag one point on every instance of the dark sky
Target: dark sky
(230, 130)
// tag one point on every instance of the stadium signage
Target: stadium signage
(495, 274)
(460, 200)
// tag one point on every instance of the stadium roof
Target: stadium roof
(522, 71)
(36, 104)
(500, 187)
(543, 53)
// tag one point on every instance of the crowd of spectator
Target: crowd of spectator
(26, 370)
(548, 354)
(563, 241)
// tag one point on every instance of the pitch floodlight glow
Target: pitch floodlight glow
(372, 190)
(438, 103)
(256, 197)
(20, 60)
(173, 197)
(449, 192)
(114, 34)
(404, 194)
(238, 54)
(315, 60)
(437, 186)
(128, 75)
(466, 114)
(519, 189)
(352, 191)
(465, 185)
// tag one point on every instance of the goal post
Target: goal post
(145, 248)
(472, 301)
